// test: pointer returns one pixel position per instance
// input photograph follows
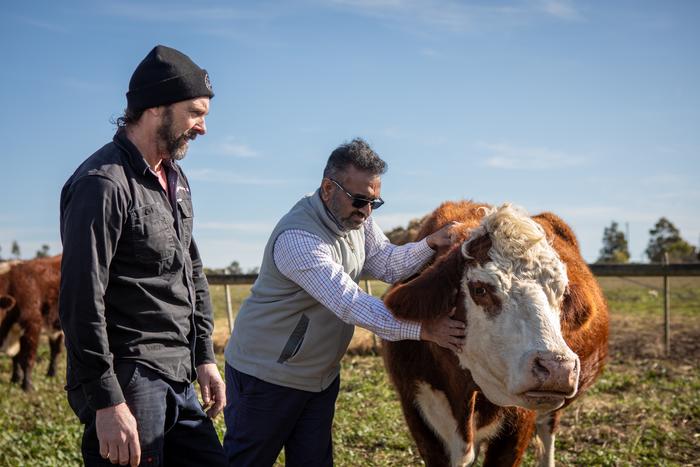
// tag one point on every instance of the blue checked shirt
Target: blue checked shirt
(305, 259)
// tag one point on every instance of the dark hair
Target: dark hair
(130, 117)
(356, 153)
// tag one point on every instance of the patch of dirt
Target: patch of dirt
(640, 338)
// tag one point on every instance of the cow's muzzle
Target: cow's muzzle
(550, 375)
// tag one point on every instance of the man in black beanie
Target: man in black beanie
(134, 302)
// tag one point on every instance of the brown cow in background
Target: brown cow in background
(537, 329)
(28, 303)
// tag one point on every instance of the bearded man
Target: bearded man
(134, 302)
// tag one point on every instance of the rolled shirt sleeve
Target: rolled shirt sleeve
(391, 263)
(305, 259)
(92, 214)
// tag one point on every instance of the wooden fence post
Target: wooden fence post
(667, 310)
(229, 312)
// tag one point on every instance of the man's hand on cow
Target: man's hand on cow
(118, 435)
(442, 238)
(445, 332)
(212, 387)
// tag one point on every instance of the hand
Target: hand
(445, 332)
(444, 237)
(118, 436)
(212, 387)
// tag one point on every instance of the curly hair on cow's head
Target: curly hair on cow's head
(356, 153)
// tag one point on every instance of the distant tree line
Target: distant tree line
(16, 253)
(664, 238)
(233, 268)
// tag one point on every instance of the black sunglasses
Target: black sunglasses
(360, 201)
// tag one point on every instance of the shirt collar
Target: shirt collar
(135, 158)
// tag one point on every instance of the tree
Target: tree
(666, 238)
(615, 249)
(43, 252)
(401, 235)
(233, 268)
(15, 249)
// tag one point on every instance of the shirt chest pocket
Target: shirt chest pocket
(185, 207)
(152, 234)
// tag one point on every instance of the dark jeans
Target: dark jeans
(261, 418)
(173, 428)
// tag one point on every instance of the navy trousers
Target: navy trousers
(173, 428)
(262, 418)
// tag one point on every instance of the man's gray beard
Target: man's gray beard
(179, 151)
(174, 146)
(343, 224)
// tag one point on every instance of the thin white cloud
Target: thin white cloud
(428, 52)
(42, 24)
(509, 157)
(667, 179)
(228, 177)
(234, 149)
(448, 15)
(151, 12)
(457, 16)
(563, 9)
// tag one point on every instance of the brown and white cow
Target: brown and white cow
(28, 303)
(537, 329)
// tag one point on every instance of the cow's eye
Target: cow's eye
(479, 291)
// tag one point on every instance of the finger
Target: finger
(205, 393)
(113, 452)
(217, 401)
(135, 451)
(220, 402)
(104, 448)
(123, 453)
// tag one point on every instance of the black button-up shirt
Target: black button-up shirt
(132, 285)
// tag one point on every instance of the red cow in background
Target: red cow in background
(28, 303)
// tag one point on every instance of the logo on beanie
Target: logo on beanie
(207, 83)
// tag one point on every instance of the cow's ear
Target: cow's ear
(432, 293)
(6, 302)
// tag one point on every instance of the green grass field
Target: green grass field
(644, 410)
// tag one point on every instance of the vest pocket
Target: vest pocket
(295, 340)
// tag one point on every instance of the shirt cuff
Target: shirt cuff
(423, 251)
(409, 330)
(103, 393)
(204, 352)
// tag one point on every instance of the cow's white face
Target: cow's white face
(513, 286)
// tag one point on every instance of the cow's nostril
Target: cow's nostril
(540, 371)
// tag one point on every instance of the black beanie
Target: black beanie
(166, 76)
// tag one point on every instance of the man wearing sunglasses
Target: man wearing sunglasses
(282, 370)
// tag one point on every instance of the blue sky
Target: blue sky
(587, 109)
